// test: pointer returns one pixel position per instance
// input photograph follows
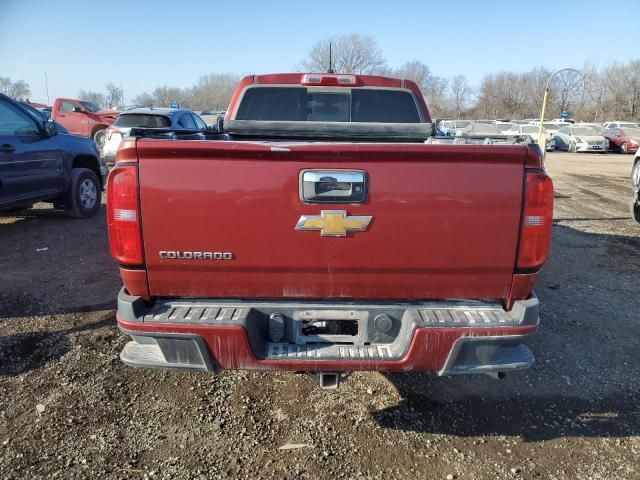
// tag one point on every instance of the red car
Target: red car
(623, 140)
(83, 118)
(324, 235)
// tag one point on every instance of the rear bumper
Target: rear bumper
(443, 337)
(109, 151)
(585, 147)
(109, 159)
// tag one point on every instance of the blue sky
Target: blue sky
(143, 44)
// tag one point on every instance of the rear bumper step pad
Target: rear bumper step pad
(314, 351)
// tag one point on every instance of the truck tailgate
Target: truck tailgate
(445, 221)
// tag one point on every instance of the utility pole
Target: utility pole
(46, 84)
(330, 66)
(546, 95)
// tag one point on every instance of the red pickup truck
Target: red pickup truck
(322, 234)
(83, 118)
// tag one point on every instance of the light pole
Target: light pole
(546, 95)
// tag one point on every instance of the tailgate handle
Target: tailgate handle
(333, 186)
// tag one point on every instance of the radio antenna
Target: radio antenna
(330, 69)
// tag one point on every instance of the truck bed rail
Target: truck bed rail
(402, 132)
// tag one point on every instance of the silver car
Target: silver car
(451, 128)
(532, 131)
(479, 128)
(580, 138)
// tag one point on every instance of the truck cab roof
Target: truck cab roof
(320, 106)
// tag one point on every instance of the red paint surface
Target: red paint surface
(230, 348)
(81, 123)
(135, 281)
(521, 288)
(445, 221)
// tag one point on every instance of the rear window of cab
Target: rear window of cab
(142, 120)
(302, 104)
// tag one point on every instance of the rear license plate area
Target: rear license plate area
(330, 326)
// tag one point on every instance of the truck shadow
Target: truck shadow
(23, 352)
(527, 414)
(586, 381)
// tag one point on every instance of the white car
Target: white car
(565, 121)
(451, 128)
(503, 126)
(618, 124)
(533, 131)
(599, 126)
(580, 138)
(550, 127)
(477, 128)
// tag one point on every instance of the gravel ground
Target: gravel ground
(70, 409)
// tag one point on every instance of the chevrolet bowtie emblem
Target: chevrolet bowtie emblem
(333, 223)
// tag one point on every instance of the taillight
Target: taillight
(536, 222)
(123, 215)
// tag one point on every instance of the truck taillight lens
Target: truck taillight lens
(123, 215)
(537, 221)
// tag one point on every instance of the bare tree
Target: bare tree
(432, 87)
(114, 97)
(416, 71)
(460, 93)
(93, 97)
(18, 90)
(611, 92)
(488, 101)
(595, 95)
(5, 85)
(165, 96)
(568, 85)
(350, 53)
(144, 100)
(213, 91)
(533, 84)
(633, 82)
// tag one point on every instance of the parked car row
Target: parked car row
(86, 119)
(561, 134)
(49, 152)
(42, 162)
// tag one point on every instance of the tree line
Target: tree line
(212, 92)
(113, 96)
(597, 93)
